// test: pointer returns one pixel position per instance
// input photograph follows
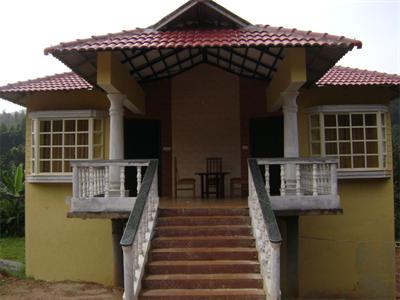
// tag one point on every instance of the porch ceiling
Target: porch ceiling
(153, 64)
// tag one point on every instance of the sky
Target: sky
(27, 27)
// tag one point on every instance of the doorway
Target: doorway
(266, 140)
(142, 139)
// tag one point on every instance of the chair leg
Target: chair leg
(194, 190)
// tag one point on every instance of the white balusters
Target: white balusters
(314, 180)
(107, 181)
(92, 179)
(91, 182)
(310, 178)
(333, 181)
(298, 191)
(283, 179)
(138, 178)
(267, 187)
(122, 181)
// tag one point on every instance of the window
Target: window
(58, 140)
(356, 135)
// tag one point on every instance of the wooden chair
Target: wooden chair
(183, 184)
(213, 165)
(237, 183)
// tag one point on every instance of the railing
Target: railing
(266, 232)
(135, 241)
(310, 176)
(103, 178)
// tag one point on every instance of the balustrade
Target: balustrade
(92, 178)
(138, 231)
(311, 176)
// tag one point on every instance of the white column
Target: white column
(291, 136)
(116, 148)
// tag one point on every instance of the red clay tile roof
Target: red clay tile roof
(260, 35)
(59, 82)
(345, 76)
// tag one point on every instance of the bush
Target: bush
(12, 208)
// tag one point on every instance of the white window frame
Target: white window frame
(382, 136)
(37, 116)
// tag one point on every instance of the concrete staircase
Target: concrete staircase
(203, 253)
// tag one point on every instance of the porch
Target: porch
(294, 187)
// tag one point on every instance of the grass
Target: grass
(13, 248)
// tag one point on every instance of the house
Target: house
(312, 139)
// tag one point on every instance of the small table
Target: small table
(220, 183)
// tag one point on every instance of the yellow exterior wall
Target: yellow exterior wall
(349, 255)
(290, 76)
(114, 77)
(59, 248)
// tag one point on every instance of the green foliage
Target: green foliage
(13, 184)
(12, 157)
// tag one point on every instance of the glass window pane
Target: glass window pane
(330, 120)
(331, 148)
(45, 139)
(383, 119)
(314, 136)
(344, 134)
(67, 166)
(69, 153)
(83, 125)
(45, 152)
(45, 126)
(370, 120)
(345, 162)
(358, 147)
(358, 162)
(57, 125)
(57, 139)
(372, 161)
(57, 166)
(44, 166)
(357, 120)
(371, 133)
(69, 125)
(344, 120)
(82, 153)
(358, 133)
(69, 139)
(372, 147)
(330, 134)
(344, 148)
(83, 139)
(57, 152)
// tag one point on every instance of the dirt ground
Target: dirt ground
(12, 288)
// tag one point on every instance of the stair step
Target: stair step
(201, 294)
(170, 212)
(225, 230)
(203, 281)
(237, 253)
(203, 220)
(202, 267)
(202, 241)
